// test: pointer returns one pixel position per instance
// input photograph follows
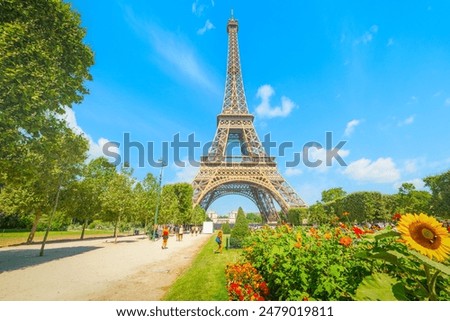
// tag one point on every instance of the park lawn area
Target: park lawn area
(16, 238)
(205, 279)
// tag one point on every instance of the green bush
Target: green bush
(226, 228)
(240, 230)
(302, 263)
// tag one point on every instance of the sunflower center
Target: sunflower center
(424, 234)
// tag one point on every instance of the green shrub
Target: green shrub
(303, 263)
(240, 230)
(226, 228)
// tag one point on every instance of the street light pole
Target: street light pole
(158, 200)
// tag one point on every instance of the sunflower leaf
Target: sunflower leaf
(385, 233)
(379, 287)
(436, 265)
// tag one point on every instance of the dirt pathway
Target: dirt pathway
(134, 268)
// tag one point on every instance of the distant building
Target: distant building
(231, 218)
(212, 215)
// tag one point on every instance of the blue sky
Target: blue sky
(373, 73)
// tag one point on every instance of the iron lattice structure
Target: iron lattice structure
(252, 173)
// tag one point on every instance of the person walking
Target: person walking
(181, 231)
(165, 237)
(219, 242)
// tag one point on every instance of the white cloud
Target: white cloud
(95, 147)
(410, 166)
(208, 26)
(383, 170)
(175, 54)
(390, 42)
(351, 126)
(291, 171)
(264, 109)
(407, 121)
(186, 173)
(447, 102)
(319, 156)
(198, 8)
(367, 36)
(180, 55)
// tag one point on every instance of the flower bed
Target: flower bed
(409, 262)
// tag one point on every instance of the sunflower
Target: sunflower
(425, 235)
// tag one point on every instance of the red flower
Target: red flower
(358, 231)
(346, 241)
(245, 283)
(396, 217)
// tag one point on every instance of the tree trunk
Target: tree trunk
(34, 227)
(115, 229)
(84, 228)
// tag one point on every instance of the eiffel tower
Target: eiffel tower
(252, 174)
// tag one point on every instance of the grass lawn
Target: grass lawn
(205, 279)
(14, 238)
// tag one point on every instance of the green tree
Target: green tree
(145, 194)
(53, 161)
(409, 200)
(82, 198)
(294, 216)
(333, 194)
(169, 208)
(198, 215)
(44, 65)
(363, 207)
(226, 228)
(240, 230)
(440, 190)
(184, 193)
(254, 217)
(117, 199)
(318, 215)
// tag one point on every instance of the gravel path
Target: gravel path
(134, 269)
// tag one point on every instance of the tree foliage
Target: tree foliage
(254, 217)
(440, 189)
(145, 194)
(117, 199)
(184, 193)
(82, 199)
(169, 208)
(198, 215)
(333, 194)
(44, 65)
(240, 230)
(54, 159)
(296, 215)
(409, 200)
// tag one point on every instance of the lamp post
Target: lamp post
(158, 200)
